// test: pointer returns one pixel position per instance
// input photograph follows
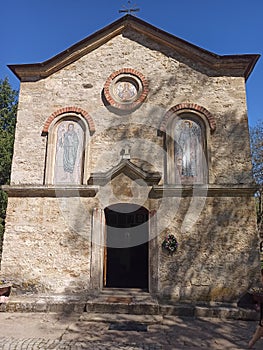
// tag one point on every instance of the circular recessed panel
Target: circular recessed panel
(125, 89)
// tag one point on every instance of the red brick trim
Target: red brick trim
(129, 106)
(66, 110)
(188, 106)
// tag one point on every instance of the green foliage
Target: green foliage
(3, 202)
(256, 140)
(8, 110)
(256, 137)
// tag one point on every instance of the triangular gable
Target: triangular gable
(129, 169)
(233, 65)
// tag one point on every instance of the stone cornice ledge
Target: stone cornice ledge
(222, 190)
(50, 190)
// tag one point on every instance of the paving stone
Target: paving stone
(80, 332)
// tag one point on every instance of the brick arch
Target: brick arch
(65, 110)
(188, 106)
(111, 100)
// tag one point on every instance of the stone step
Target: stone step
(122, 308)
(133, 303)
(125, 291)
(56, 303)
(134, 293)
(123, 301)
(172, 310)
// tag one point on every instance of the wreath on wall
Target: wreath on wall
(170, 243)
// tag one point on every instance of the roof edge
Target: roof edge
(241, 64)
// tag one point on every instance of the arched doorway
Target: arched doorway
(126, 250)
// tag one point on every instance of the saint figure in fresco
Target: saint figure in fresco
(69, 142)
(187, 144)
(126, 91)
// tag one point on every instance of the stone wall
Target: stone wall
(171, 81)
(47, 246)
(216, 258)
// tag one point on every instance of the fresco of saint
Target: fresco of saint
(68, 158)
(188, 150)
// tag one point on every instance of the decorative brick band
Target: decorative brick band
(69, 110)
(188, 106)
(113, 78)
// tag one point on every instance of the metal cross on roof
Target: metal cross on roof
(129, 8)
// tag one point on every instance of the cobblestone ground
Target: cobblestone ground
(95, 332)
(37, 344)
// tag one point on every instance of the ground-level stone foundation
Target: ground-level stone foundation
(60, 246)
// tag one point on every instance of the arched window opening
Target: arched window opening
(67, 151)
(186, 150)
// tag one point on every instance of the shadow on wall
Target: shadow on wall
(217, 260)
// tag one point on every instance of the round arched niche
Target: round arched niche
(186, 145)
(125, 89)
(67, 150)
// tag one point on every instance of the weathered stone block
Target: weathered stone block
(56, 234)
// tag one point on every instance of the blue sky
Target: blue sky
(34, 30)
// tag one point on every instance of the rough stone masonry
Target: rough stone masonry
(55, 239)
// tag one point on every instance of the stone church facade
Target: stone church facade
(125, 138)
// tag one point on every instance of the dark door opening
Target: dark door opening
(126, 253)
